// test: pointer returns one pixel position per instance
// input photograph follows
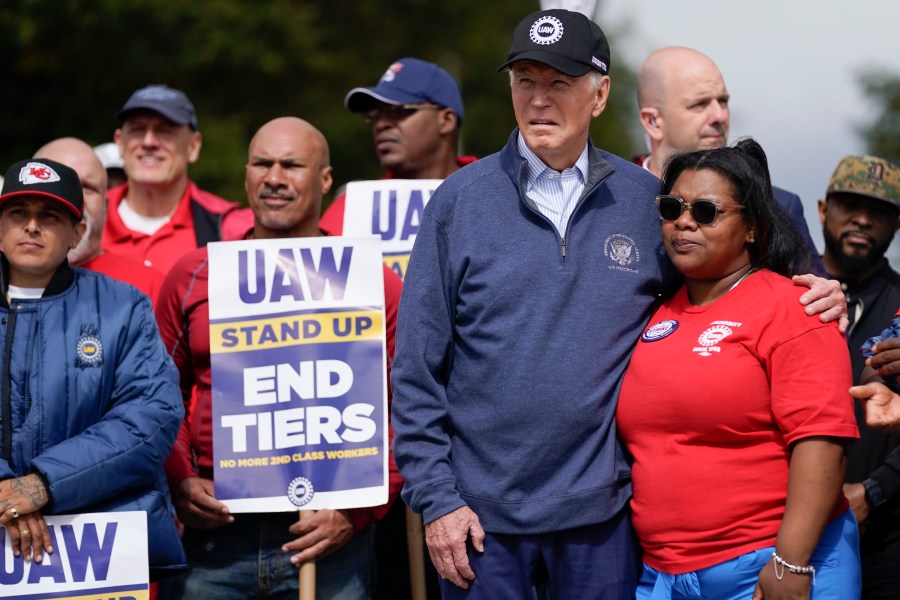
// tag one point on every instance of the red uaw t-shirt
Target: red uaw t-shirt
(711, 401)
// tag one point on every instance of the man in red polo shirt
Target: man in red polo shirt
(415, 112)
(159, 214)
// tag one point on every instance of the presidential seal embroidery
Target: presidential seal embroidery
(623, 251)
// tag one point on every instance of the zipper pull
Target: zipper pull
(562, 242)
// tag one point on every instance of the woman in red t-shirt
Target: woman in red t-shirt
(735, 406)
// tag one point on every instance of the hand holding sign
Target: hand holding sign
(319, 534)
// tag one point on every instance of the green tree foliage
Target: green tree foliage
(69, 65)
(882, 135)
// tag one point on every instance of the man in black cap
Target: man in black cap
(91, 401)
(533, 273)
(159, 214)
(415, 111)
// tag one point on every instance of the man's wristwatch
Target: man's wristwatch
(874, 492)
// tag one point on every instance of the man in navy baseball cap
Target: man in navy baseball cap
(415, 111)
(409, 81)
(171, 103)
(158, 215)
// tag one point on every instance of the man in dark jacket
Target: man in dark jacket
(860, 215)
(89, 399)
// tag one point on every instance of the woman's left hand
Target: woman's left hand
(21, 496)
(789, 587)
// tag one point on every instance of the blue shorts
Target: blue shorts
(836, 560)
(595, 562)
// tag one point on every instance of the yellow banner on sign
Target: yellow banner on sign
(397, 263)
(278, 332)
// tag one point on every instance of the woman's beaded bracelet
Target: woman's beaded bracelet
(807, 570)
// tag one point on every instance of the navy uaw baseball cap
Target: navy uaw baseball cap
(44, 178)
(171, 103)
(562, 39)
(409, 81)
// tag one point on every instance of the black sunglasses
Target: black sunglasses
(395, 112)
(703, 212)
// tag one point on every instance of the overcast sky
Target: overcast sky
(791, 67)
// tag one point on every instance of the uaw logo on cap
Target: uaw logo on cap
(89, 351)
(658, 331)
(300, 491)
(546, 30)
(392, 72)
(35, 172)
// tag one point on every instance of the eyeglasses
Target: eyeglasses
(395, 112)
(703, 212)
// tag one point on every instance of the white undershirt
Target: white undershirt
(21, 293)
(140, 223)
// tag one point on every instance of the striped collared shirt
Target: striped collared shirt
(555, 194)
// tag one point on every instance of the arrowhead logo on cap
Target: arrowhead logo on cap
(35, 172)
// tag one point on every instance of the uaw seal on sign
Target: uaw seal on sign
(300, 491)
(658, 331)
(89, 351)
(546, 30)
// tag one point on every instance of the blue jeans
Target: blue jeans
(244, 561)
(836, 560)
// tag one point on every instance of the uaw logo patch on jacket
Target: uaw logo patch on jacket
(89, 348)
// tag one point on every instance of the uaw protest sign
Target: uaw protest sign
(95, 555)
(390, 209)
(297, 350)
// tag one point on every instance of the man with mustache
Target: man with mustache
(256, 555)
(860, 215)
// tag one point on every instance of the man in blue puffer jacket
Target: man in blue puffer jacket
(89, 399)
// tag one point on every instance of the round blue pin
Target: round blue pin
(658, 331)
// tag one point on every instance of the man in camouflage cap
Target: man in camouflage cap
(859, 215)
